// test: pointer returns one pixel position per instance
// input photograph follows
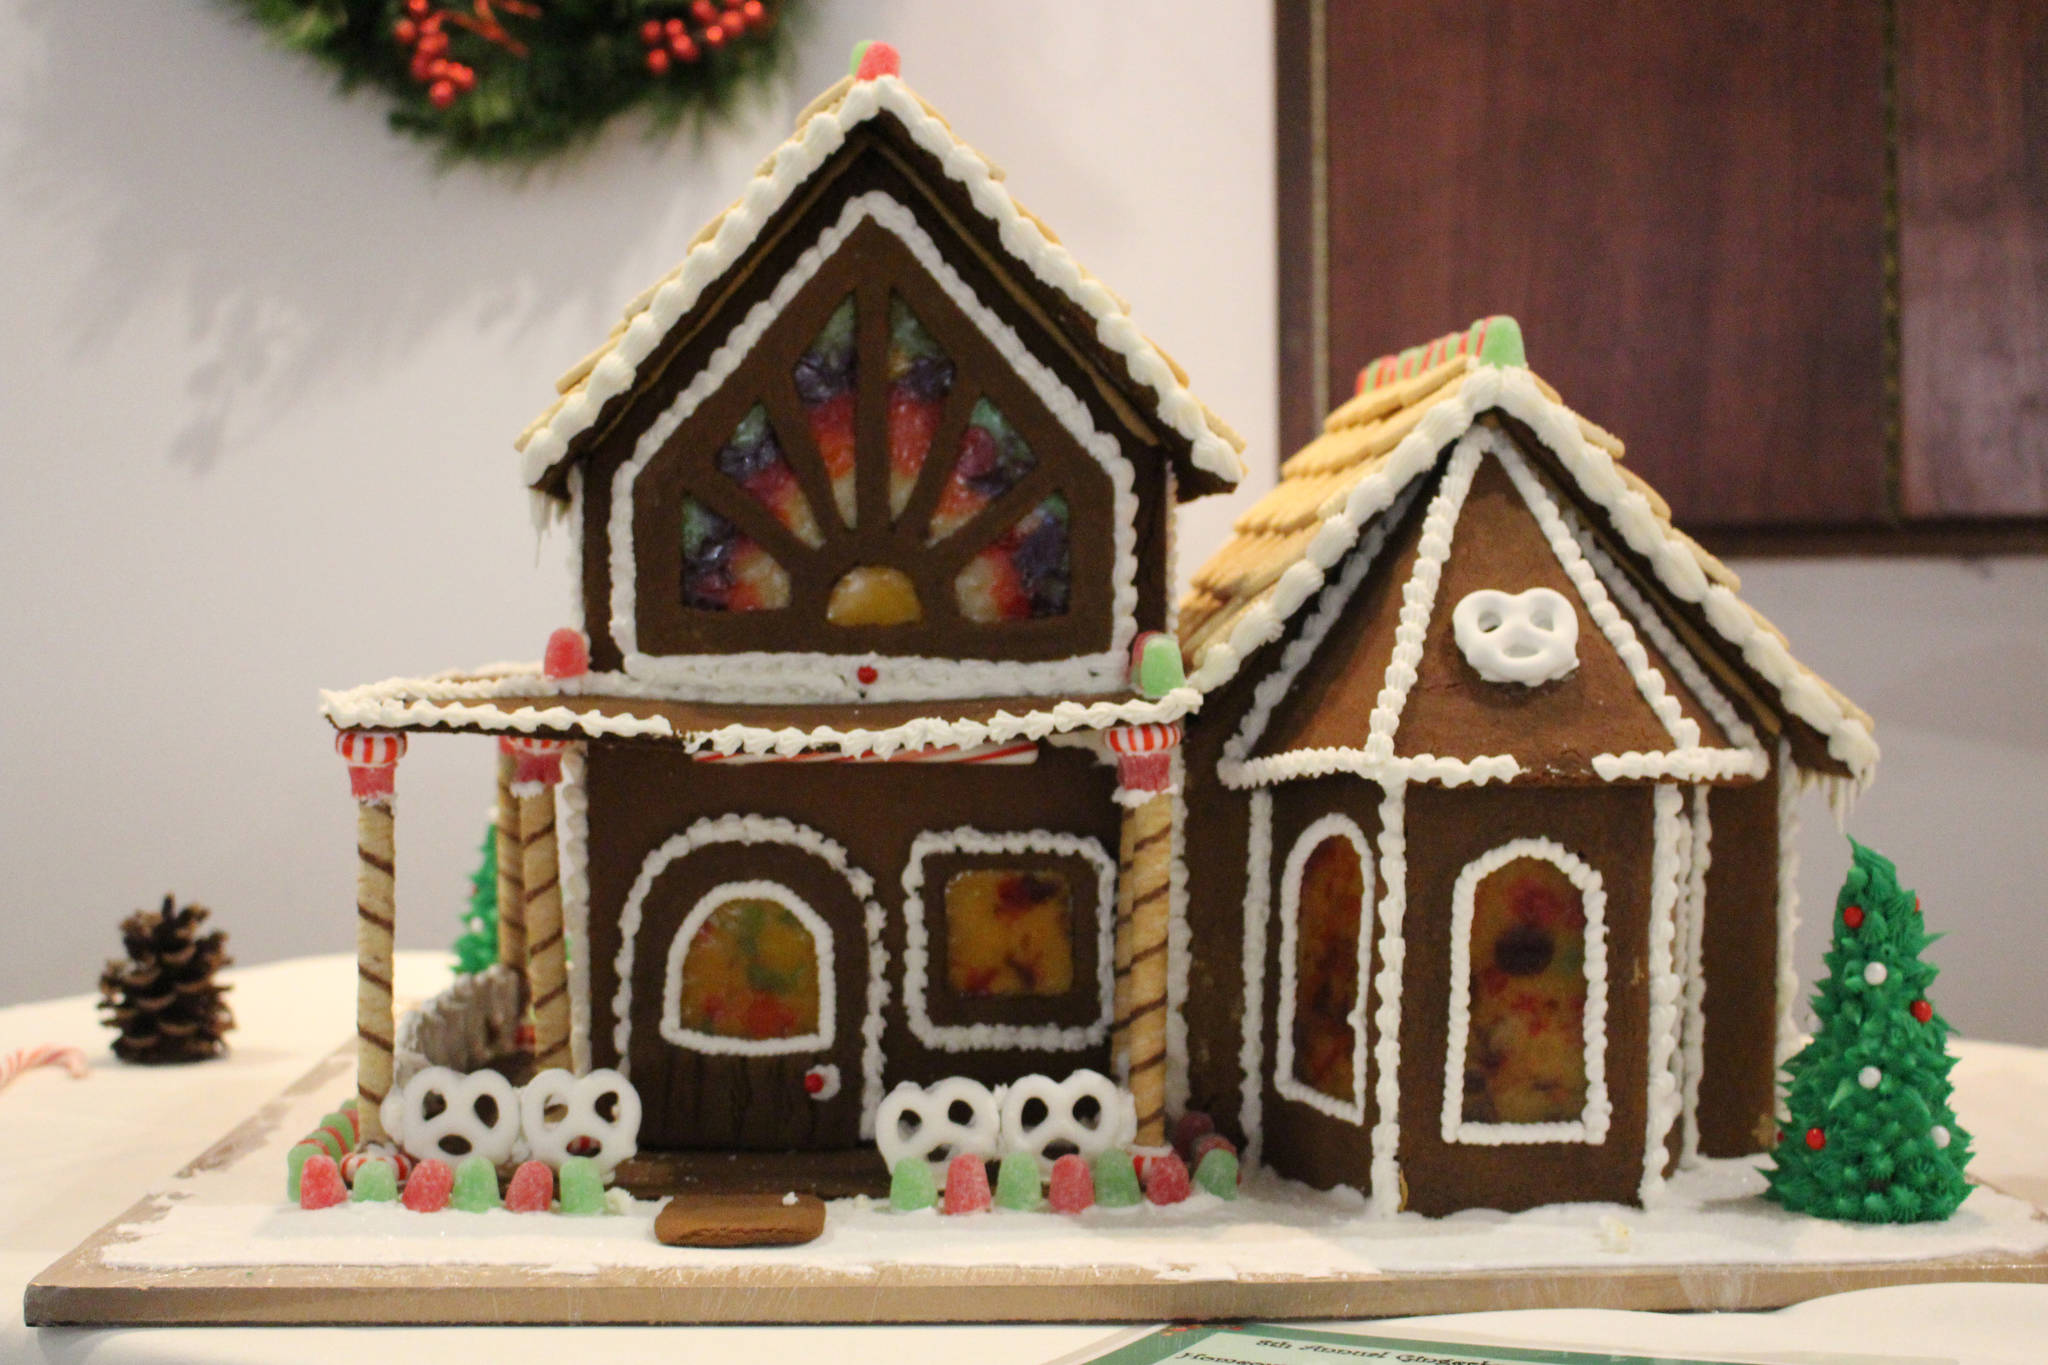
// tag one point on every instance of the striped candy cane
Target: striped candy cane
(45, 1054)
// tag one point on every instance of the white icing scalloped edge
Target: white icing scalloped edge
(809, 677)
(1386, 1129)
(418, 703)
(1670, 830)
(1591, 1125)
(788, 169)
(572, 857)
(723, 1045)
(1789, 1039)
(1693, 944)
(1514, 392)
(753, 829)
(917, 959)
(1332, 825)
(1258, 908)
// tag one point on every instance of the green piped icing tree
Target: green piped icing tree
(1872, 1138)
(477, 948)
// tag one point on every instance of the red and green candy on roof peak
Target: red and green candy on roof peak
(1491, 341)
(872, 58)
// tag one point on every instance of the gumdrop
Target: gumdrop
(1116, 1180)
(295, 1162)
(1192, 1128)
(911, 1186)
(1166, 1179)
(582, 1186)
(872, 59)
(1218, 1173)
(343, 1126)
(532, 1189)
(967, 1185)
(428, 1187)
(1073, 1184)
(476, 1185)
(320, 1184)
(376, 1182)
(1211, 1142)
(1017, 1182)
(567, 656)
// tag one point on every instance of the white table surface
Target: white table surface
(77, 1153)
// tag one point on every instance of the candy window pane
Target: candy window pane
(1009, 932)
(1525, 1054)
(754, 460)
(1327, 927)
(991, 458)
(920, 377)
(724, 569)
(1026, 572)
(827, 377)
(751, 971)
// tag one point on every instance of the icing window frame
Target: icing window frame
(944, 1021)
(819, 1039)
(1285, 1082)
(1591, 1127)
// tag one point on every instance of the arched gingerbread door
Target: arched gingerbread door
(749, 989)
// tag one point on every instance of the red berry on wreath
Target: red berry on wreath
(433, 43)
(1816, 1139)
(754, 12)
(420, 63)
(464, 77)
(1853, 917)
(1922, 1010)
(417, 8)
(650, 32)
(684, 49)
(657, 62)
(675, 28)
(704, 11)
(733, 22)
(432, 23)
(441, 93)
(437, 69)
(714, 36)
(406, 31)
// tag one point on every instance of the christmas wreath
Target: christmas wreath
(520, 79)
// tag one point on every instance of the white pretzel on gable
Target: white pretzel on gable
(584, 1129)
(1526, 637)
(917, 1121)
(1111, 1120)
(462, 1124)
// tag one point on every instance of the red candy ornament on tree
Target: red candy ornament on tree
(1853, 917)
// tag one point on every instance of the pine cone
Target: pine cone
(164, 1000)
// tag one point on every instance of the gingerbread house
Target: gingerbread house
(1489, 821)
(872, 501)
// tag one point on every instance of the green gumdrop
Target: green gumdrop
(1502, 346)
(329, 1143)
(860, 50)
(582, 1186)
(294, 1165)
(911, 1186)
(1159, 666)
(353, 1104)
(1218, 1174)
(376, 1183)
(1017, 1182)
(476, 1185)
(1116, 1181)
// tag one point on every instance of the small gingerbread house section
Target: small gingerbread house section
(1488, 889)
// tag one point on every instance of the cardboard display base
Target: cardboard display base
(214, 1247)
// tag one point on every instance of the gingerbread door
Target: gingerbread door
(749, 989)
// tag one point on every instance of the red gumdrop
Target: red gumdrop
(320, 1183)
(1073, 1185)
(1166, 1179)
(428, 1187)
(1853, 916)
(967, 1185)
(568, 654)
(1208, 1143)
(532, 1189)
(1192, 1128)
(879, 59)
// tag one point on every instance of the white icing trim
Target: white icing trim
(1591, 1125)
(1789, 1039)
(1258, 908)
(747, 829)
(1386, 1128)
(1285, 1081)
(721, 1045)
(918, 964)
(794, 163)
(1179, 939)
(464, 699)
(1693, 971)
(1669, 558)
(572, 854)
(1671, 834)
(756, 676)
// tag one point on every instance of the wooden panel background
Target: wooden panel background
(1695, 213)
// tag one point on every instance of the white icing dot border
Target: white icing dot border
(1386, 1128)
(1329, 826)
(572, 857)
(1693, 911)
(1592, 1124)
(1789, 1038)
(756, 676)
(1258, 909)
(918, 965)
(720, 1045)
(1672, 837)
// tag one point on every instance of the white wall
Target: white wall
(263, 363)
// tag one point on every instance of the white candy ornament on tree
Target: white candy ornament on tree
(1528, 637)
(954, 1117)
(1086, 1113)
(474, 1114)
(599, 1117)
(1875, 973)
(1868, 1077)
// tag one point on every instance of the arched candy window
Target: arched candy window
(750, 972)
(1325, 957)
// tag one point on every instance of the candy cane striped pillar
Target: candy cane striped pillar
(511, 881)
(537, 767)
(372, 757)
(1144, 761)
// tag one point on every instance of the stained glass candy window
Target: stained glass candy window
(1009, 932)
(1329, 918)
(992, 457)
(1525, 1051)
(827, 382)
(920, 377)
(725, 569)
(1026, 572)
(754, 460)
(751, 971)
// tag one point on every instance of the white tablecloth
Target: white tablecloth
(77, 1153)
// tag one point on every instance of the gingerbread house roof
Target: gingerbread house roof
(1411, 409)
(1095, 319)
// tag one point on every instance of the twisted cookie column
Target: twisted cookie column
(1144, 755)
(372, 757)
